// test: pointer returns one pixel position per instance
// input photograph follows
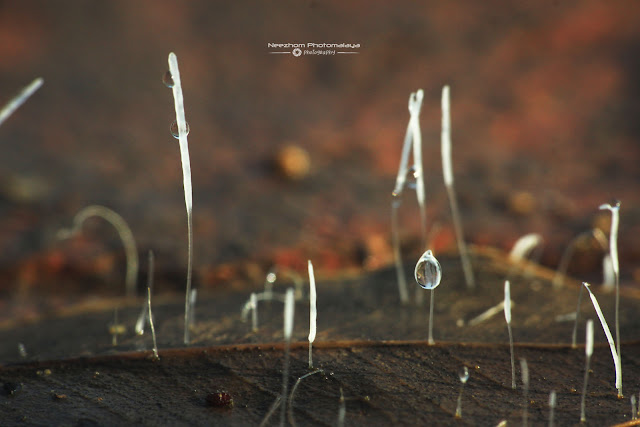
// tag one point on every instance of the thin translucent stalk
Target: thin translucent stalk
(552, 406)
(292, 420)
(397, 256)
(124, 232)
(607, 332)
(153, 329)
(289, 306)
(271, 411)
(431, 304)
(507, 317)
(447, 170)
(186, 177)
(142, 317)
(272, 277)
(342, 410)
(488, 314)
(574, 335)
(19, 99)
(524, 369)
(583, 415)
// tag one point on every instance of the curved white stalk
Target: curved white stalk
(507, 317)
(607, 332)
(126, 236)
(183, 130)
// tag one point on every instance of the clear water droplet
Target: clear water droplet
(167, 79)
(174, 130)
(271, 277)
(463, 374)
(428, 272)
(412, 178)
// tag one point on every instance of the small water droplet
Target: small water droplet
(271, 277)
(428, 272)
(464, 374)
(167, 79)
(174, 130)
(412, 178)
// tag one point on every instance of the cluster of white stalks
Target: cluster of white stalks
(412, 139)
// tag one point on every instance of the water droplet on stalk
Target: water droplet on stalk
(167, 79)
(174, 130)
(464, 374)
(428, 272)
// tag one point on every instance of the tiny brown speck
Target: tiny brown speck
(220, 399)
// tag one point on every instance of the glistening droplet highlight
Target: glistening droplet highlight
(167, 79)
(428, 272)
(174, 130)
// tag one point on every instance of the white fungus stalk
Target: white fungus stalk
(342, 410)
(488, 314)
(588, 351)
(412, 139)
(313, 312)
(608, 274)
(633, 407)
(149, 285)
(19, 99)
(447, 171)
(464, 377)
(613, 251)
(552, 406)
(563, 266)
(524, 371)
(289, 307)
(612, 346)
(142, 317)
(524, 246)
(507, 317)
(428, 274)
(254, 312)
(183, 130)
(124, 232)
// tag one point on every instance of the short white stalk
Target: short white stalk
(634, 415)
(464, 377)
(313, 312)
(289, 307)
(507, 316)
(342, 410)
(153, 329)
(292, 396)
(183, 130)
(524, 371)
(428, 274)
(447, 171)
(254, 312)
(607, 332)
(552, 406)
(19, 99)
(588, 351)
(124, 232)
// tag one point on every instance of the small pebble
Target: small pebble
(220, 399)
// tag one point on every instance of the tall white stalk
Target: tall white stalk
(447, 171)
(183, 130)
(613, 252)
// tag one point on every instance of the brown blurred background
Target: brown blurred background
(544, 113)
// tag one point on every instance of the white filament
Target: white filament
(186, 177)
(445, 136)
(588, 348)
(253, 300)
(488, 314)
(608, 273)
(19, 99)
(447, 171)
(313, 312)
(607, 332)
(289, 305)
(507, 301)
(524, 246)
